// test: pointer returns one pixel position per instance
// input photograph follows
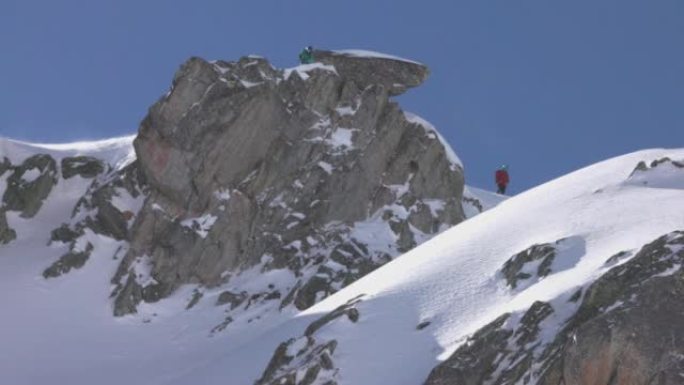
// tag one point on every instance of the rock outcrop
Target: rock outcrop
(308, 359)
(627, 329)
(85, 166)
(312, 169)
(7, 234)
(96, 212)
(29, 185)
(395, 75)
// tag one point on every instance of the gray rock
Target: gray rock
(627, 330)
(475, 361)
(308, 354)
(7, 234)
(250, 165)
(71, 260)
(643, 166)
(306, 296)
(85, 166)
(513, 268)
(5, 165)
(64, 234)
(396, 76)
(95, 211)
(231, 298)
(26, 192)
(102, 216)
(538, 261)
(196, 297)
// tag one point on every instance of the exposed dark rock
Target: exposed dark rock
(528, 330)
(643, 166)
(64, 234)
(627, 330)
(127, 296)
(7, 234)
(74, 259)
(538, 261)
(347, 309)
(248, 165)
(307, 354)
(306, 296)
(5, 165)
(196, 297)
(85, 166)
(475, 361)
(95, 212)
(617, 258)
(474, 202)
(280, 358)
(395, 75)
(513, 269)
(102, 216)
(30, 184)
(220, 327)
(231, 298)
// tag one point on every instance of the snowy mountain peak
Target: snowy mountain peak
(296, 227)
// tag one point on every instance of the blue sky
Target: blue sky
(544, 86)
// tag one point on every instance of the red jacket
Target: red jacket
(502, 177)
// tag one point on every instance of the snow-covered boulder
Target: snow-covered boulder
(365, 68)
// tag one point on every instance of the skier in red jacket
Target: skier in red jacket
(502, 179)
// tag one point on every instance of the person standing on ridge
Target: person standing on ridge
(306, 56)
(502, 179)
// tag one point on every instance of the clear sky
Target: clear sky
(544, 86)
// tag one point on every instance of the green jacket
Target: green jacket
(306, 57)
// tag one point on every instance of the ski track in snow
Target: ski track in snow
(62, 330)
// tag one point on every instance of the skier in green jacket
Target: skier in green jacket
(306, 56)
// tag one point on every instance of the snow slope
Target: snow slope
(117, 152)
(453, 281)
(61, 330)
(477, 200)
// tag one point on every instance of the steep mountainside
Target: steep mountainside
(253, 193)
(249, 234)
(578, 281)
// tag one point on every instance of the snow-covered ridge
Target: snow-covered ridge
(416, 310)
(117, 152)
(373, 54)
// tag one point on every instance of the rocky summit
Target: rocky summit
(244, 237)
(313, 170)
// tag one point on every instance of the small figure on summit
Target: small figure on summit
(306, 56)
(502, 179)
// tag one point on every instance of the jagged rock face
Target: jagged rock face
(538, 261)
(29, 184)
(85, 166)
(249, 165)
(396, 75)
(308, 359)
(96, 212)
(626, 330)
(7, 234)
(514, 268)
(5, 165)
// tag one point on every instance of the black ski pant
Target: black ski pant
(502, 188)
